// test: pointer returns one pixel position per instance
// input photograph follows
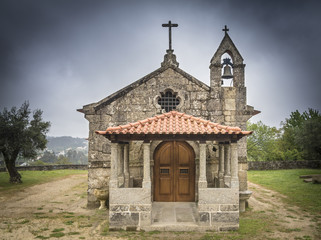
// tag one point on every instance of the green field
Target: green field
(254, 224)
(31, 178)
(287, 182)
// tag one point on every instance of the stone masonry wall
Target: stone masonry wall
(141, 103)
(130, 208)
(219, 208)
(138, 104)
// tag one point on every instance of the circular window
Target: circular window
(168, 101)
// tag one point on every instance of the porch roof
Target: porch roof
(173, 126)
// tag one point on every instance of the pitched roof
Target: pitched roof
(173, 123)
(226, 44)
(130, 87)
(169, 62)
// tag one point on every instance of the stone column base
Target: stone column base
(235, 183)
(244, 196)
(227, 180)
(202, 184)
(147, 184)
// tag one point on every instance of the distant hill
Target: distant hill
(59, 144)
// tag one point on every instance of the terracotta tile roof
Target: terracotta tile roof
(173, 123)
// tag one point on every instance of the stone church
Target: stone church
(168, 144)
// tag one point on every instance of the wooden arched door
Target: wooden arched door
(174, 172)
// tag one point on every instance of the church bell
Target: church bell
(227, 72)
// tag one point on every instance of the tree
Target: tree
(308, 137)
(76, 157)
(262, 145)
(38, 163)
(1, 161)
(48, 157)
(21, 136)
(62, 160)
(301, 132)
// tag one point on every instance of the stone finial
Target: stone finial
(169, 59)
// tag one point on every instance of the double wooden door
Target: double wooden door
(174, 173)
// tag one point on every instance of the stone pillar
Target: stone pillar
(120, 165)
(147, 180)
(126, 166)
(234, 166)
(221, 165)
(113, 182)
(202, 182)
(227, 165)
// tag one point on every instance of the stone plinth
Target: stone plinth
(129, 208)
(244, 196)
(219, 208)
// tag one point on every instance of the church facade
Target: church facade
(166, 138)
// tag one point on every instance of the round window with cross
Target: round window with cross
(168, 101)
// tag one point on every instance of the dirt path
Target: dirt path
(57, 209)
(51, 196)
(50, 210)
(290, 221)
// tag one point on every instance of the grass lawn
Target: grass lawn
(287, 182)
(30, 178)
(253, 224)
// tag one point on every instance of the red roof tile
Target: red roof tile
(173, 123)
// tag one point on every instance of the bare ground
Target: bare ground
(57, 209)
(289, 221)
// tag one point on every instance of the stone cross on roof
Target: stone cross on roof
(225, 29)
(170, 25)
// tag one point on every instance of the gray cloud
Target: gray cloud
(61, 55)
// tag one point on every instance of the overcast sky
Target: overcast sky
(61, 55)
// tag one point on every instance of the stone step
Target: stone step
(305, 176)
(316, 178)
(179, 227)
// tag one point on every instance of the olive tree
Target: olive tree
(21, 135)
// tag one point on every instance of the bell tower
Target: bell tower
(231, 98)
(227, 46)
(227, 104)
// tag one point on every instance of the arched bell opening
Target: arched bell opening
(227, 69)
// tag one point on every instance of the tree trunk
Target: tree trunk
(15, 177)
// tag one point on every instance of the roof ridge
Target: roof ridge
(173, 122)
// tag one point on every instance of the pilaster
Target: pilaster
(113, 183)
(227, 165)
(120, 162)
(234, 165)
(126, 166)
(202, 182)
(146, 179)
(221, 165)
